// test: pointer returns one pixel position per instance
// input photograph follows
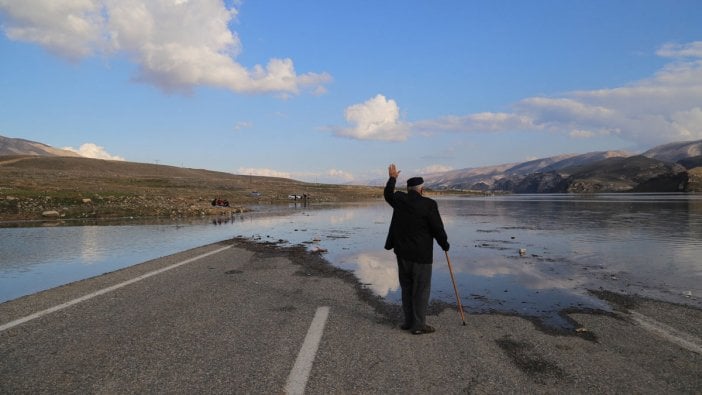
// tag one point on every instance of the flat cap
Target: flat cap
(414, 181)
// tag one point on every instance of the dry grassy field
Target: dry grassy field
(33, 186)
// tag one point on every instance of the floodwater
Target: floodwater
(531, 255)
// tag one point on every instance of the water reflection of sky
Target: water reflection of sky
(646, 244)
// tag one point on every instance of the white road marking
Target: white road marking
(673, 335)
(103, 291)
(297, 380)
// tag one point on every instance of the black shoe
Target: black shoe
(405, 327)
(426, 329)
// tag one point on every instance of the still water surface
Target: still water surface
(648, 244)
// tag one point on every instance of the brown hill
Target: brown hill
(633, 174)
(83, 187)
(674, 152)
(13, 146)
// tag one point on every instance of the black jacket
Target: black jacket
(415, 224)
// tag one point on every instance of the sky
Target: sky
(334, 91)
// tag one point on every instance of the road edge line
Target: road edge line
(671, 334)
(103, 291)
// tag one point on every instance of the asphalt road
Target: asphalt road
(237, 320)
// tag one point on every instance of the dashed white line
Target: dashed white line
(297, 380)
(103, 291)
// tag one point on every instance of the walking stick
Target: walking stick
(458, 298)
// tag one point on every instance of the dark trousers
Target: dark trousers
(415, 280)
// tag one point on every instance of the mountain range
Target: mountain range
(672, 167)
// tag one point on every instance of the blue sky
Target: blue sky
(334, 91)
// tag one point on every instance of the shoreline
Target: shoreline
(272, 209)
(314, 263)
(551, 315)
(606, 287)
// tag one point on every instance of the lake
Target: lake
(645, 244)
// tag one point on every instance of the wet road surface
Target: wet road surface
(239, 319)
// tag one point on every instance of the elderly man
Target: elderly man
(415, 224)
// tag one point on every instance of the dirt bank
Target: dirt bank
(33, 188)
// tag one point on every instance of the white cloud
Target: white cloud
(69, 28)
(340, 175)
(377, 118)
(331, 176)
(665, 107)
(90, 150)
(435, 169)
(580, 134)
(675, 50)
(242, 125)
(378, 271)
(689, 122)
(479, 122)
(265, 172)
(177, 45)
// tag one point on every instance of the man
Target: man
(415, 224)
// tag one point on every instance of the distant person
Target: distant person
(415, 224)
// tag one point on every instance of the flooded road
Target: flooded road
(531, 255)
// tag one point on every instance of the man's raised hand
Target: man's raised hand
(392, 171)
